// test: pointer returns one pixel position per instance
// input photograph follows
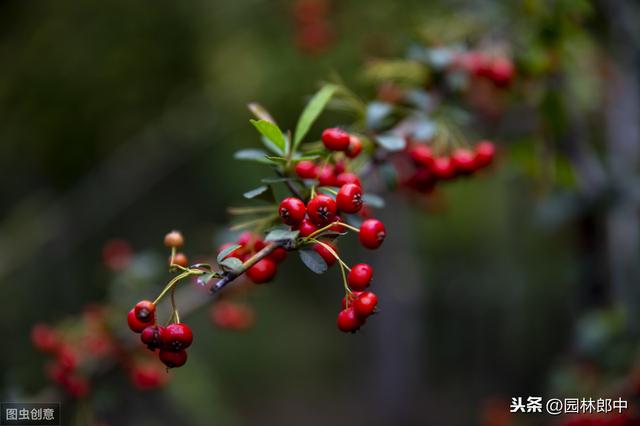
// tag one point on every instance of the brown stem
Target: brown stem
(232, 275)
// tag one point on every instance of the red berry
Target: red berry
(349, 198)
(348, 321)
(292, 210)
(443, 168)
(365, 304)
(335, 139)
(339, 168)
(145, 311)
(328, 257)
(173, 359)
(307, 228)
(372, 233)
(233, 316)
(421, 154)
(338, 227)
(354, 148)
(134, 323)
(484, 153)
(173, 239)
(176, 337)
(66, 358)
(360, 276)
(326, 176)
(463, 161)
(347, 177)
(117, 254)
(147, 376)
(263, 271)
(234, 253)
(77, 386)
(422, 180)
(245, 238)
(353, 296)
(306, 169)
(322, 210)
(278, 255)
(152, 336)
(180, 259)
(501, 71)
(44, 338)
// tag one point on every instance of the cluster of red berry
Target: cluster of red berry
(497, 68)
(75, 349)
(265, 269)
(312, 26)
(429, 168)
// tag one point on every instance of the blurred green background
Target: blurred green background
(120, 119)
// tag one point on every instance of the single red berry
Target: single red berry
(147, 376)
(338, 227)
(134, 323)
(234, 253)
(348, 321)
(354, 148)
(66, 358)
(421, 155)
(306, 169)
(173, 359)
(44, 338)
(180, 259)
(145, 311)
(349, 198)
(292, 210)
(77, 386)
(278, 255)
(347, 177)
(307, 228)
(246, 238)
(152, 336)
(365, 304)
(232, 316)
(176, 337)
(443, 168)
(263, 271)
(372, 233)
(360, 276)
(322, 210)
(422, 180)
(463, 161)
(352, 297)
(501, 71)
(259, 245)
(335, 139)
(339, 168)
(326, 175)
(173, 239)
(484, 153)
(328, 257)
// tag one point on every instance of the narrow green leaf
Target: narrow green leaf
(256, 155)
(204, 279)
(281, 234)
(313, 261)
(391, 142)
(263, 192)
(226, 252)
(311, 112)
(373, 201)
(231, 263)
(271, 132)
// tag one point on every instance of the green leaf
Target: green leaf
(232, 264)
(270, 146)
(204, 279)
(264, 192)
(272, 132)
(389, 175)
(313, 261)
(391, 142)
(256, 155)
(281, 234)
(226, 252)
(311, 112)
(373, 201)
(260, 112)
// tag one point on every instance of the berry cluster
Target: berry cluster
(248, 244)
(430, 168)
(496, 68)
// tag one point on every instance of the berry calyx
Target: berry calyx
(463, 161)
(348, 321)
(134, 323)
(360, 276)
(349, 198)
(347, 177)
(365, 304)
(173, 359)
(372, 233)
(335, 139)
(354, 148)
(176, 337)
(306, 169)
(292, 211)
(145, 311)
(174, 239)
(152, 337)
(263, 271)
(322, 210)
